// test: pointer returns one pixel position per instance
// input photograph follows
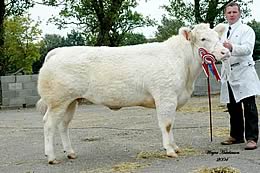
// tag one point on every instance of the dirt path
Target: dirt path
(128, 140)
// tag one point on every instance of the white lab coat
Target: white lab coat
(242, 75)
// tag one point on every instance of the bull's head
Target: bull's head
(202, 36)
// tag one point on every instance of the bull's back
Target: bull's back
(111, 76)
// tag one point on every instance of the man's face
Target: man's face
(232, 14)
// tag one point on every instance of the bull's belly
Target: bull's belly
(116, 101)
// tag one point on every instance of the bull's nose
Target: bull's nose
(225, 52)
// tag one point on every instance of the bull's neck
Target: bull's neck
(194, 69)
(195, 63)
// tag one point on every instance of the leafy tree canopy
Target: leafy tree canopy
(256, 27)
(9, 8)
(133, 39)
(104, 22)
(207, 11)
(168, 28)
(17, 7)
(21, 48)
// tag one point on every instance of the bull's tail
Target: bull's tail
(41, 106)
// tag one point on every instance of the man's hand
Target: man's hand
(227, 44)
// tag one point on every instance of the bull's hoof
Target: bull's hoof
(54, 162)
(172, 154)
(72, 156)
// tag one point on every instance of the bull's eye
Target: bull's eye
(203, 39)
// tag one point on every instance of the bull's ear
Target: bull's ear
(220, 29)
(185, 32)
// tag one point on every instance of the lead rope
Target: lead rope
(208, 62)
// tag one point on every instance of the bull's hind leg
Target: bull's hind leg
(166, 113)
(64, 132)
(51, 120)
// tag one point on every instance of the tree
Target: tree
(256, 27)
(133, 39)
(49, 42)
(104, 22)
(75, 38)
(21, 48)
(9, 8)
(168, 28)
(2, 14)
(207, 11)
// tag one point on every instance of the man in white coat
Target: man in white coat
(240, 83)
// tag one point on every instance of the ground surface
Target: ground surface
(128, 140)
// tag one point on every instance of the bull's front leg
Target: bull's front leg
(166, 114)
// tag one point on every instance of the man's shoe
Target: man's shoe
(231, 141)
(250, 145)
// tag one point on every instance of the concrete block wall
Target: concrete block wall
(19, 90)
(201, 84)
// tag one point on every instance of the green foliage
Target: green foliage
(9, 8)
(49, 42)
(168, 28)
(183, 11)
(206, 11)
(21, 47)
(17, 7)
(104, 22)
(75, 39)
(133, 39)
(256, 27)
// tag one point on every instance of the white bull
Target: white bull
(154, 75)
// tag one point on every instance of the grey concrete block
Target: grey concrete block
(7, 79)
(215, 87)
(35, 92)
(9, 94)
(198, 93)
(23, 78)
(31, 100)
(214, 92)
(24, 93)
(201, 81)
(200, 90)
(29, 85)
(5, 102)
(4, 87)
(15, 86)
(17, 101)
(35, 77)
(201, 87)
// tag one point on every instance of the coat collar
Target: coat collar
(235, 25)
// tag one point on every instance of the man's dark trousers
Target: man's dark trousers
(237, 123)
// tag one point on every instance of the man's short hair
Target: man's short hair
(232, 4)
